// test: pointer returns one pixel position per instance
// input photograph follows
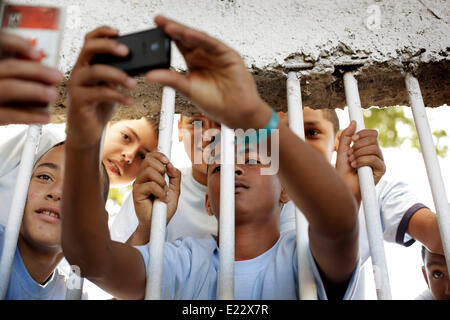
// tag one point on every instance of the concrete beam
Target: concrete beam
(319, 38)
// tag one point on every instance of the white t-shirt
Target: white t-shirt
(10, 155)
(190, 219)
(191, 271)
(23, 287)
(11, 147)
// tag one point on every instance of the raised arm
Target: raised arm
(93, 92)
(219, 83)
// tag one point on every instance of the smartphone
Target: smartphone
(149, 49)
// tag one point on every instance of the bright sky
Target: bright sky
(406, 163)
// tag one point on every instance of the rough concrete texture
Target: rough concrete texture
(318, 38)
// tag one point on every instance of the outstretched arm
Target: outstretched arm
(93, 92)
(219, 83)
(424, 227)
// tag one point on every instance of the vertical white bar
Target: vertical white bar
(307, 284)
(159, 213)
(431, 162)
(369, 198)
(18, 206)
(226, 220)
(77, 293)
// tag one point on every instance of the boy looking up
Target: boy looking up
(34, 275)
(436, 276)
(219, 83)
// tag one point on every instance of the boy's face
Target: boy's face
(436, 275)
(126, 143)
(195, 145)
(254, 193)
(41, 224)
(319, 131)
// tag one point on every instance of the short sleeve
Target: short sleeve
(176, 268)
(287, 217)
(397, 206)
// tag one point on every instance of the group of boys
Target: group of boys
(76, 225)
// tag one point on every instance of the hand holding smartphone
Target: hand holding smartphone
(149, 49)
(30, 46)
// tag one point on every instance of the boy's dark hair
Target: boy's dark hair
(424, 252)
(212, 146)
(331, 115)
(104, 174)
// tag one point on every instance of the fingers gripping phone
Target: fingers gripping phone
(149, 49)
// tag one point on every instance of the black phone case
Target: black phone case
(149, 49)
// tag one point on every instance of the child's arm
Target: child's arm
(149, 184)
(93, 93)
(423, 227)
(24, 82)
(220, 84)
(423, 224)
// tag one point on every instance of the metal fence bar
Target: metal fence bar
(19, 199)
(159, 213)
(369, 198)
(307, 284)
(75, 293)
(431, 162)
(226, 220)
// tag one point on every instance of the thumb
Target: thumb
(346, 137)
(344, 145)
(174, 177)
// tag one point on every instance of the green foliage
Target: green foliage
(388, 121)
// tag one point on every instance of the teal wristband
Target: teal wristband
(271, 125)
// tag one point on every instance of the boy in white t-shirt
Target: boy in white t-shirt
(34, 275)
(219, 83)
(191, 218)
(404, 218)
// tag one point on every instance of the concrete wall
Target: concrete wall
(319, 38)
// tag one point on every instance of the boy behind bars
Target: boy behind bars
(34, 275)
(219, 83)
